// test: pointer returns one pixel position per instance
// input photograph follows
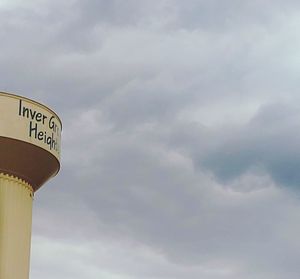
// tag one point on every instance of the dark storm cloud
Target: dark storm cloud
(270, 141)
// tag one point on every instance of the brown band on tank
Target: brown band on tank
(27, 162)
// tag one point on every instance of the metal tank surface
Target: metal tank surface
(30, 138)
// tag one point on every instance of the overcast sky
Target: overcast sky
(181, 135)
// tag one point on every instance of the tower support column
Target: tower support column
(16, 198)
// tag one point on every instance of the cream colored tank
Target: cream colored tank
(30, 136)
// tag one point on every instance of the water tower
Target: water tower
(30, 136)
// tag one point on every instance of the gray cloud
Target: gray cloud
(180, 135)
